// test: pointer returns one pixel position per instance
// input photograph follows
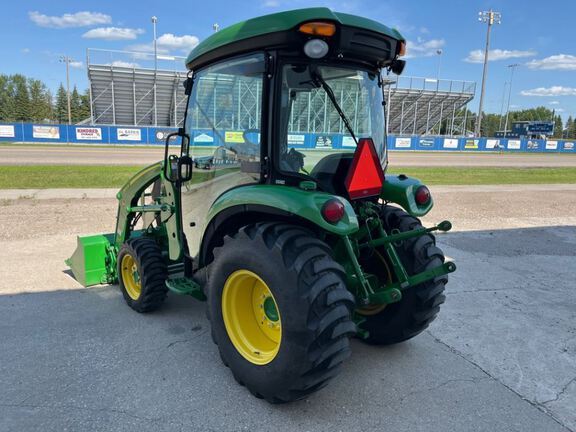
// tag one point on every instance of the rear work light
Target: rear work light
(333, 211)
(422, 195)
(365, 176)
(318, 29)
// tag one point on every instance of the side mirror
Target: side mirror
(398, 66)
(188, 86)
(185, 165)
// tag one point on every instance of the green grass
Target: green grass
(488, 175)
(74, 176)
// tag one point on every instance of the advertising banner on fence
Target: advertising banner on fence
(296, 139)
(89, 133)
(7, 131)
(348, 141)
(568, 145)
(161, 135)
(492, 144)
(203, 138)
(551, 145)
(450, 143)
(46, 132)
(513, 144)
(403, 142)
(427, 142)
(324, 141)
(234, 137)
(471, 144)
(124, 134)
(533, 145)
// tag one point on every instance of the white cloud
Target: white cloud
(25, 50)
(76, 64)
(121, 63)
(423, 48)
(271, 3)
(78, 19)
(554, 103)
(550, 91)
(172, 42)
(113, 33)
(477, 56)
(555, 62)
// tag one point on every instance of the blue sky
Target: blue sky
(537, 35)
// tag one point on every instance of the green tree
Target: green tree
(558, 127)
(61, 107)
(40, 101)
(569, 129)
(75, 106)
(85, 105)
(21, 98)
(6, 98)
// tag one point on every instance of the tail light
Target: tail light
(402, 49)
(422, 195)
(333, 211)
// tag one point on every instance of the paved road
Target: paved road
(74, 155)
(501, 356)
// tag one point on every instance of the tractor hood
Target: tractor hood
(377, 41)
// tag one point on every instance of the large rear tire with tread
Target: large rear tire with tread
(142, 274)
(420, 304)
(300, 345)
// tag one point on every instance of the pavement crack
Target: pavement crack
(536, 405)
(442, 384)
(560, 393)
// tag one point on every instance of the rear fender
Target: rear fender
(401, 189)
(280, 203)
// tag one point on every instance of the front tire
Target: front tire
(420, 304)
(280, 311)
(142, 274)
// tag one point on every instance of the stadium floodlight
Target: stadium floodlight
(488, 17)
(67, 60)
(512, 67)
(154, 21)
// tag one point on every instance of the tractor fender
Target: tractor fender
(400, 189)
(253, 203)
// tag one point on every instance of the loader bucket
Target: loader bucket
(94, 260)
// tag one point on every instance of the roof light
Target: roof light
(318, 29)
(365, 176)
(402, 49)
(316, 48)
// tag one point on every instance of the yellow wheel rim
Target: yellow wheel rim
(251, 317)
(131, 277)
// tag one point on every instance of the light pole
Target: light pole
(67, 60)
(154, 21)
(490, 17)
(512, 68)
(439, 53)
(215, 27)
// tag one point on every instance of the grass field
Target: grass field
(70, 176)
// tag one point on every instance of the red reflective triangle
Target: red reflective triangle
(365, 176)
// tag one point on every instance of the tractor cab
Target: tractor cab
(286, 98)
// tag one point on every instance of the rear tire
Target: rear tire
(420, 304)
(312, 303)
(142, 274)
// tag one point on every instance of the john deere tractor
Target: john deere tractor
(296, 241)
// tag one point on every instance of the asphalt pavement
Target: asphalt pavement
(500, 357)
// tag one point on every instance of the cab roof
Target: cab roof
(279, 22)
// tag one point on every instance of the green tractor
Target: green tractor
(295, 249)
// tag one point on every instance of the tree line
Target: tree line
(29, 100)
(492, 123)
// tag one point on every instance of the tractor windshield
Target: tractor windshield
(324, 111)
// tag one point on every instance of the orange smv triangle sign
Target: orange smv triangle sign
(365, 176)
